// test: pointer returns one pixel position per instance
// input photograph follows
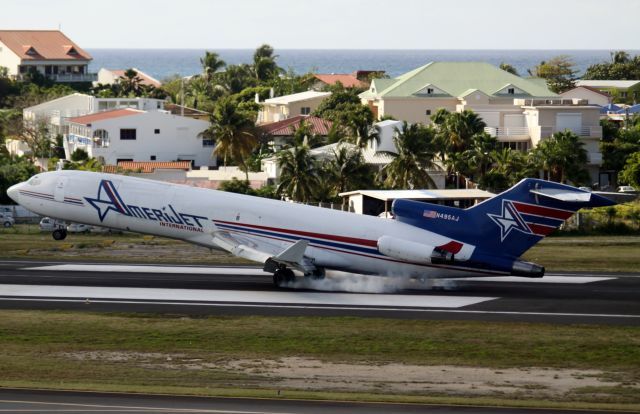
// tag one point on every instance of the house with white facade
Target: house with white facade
(55, 112)
(135, 135)
(49, 52)
(587, 93)
(283, 107)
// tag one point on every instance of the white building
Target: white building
(135, 135)
(49, 52)
(587, 93)
(55, 112)
(111, 76)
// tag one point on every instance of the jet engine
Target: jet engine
(412, 251)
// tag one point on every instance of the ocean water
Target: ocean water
(163, 63)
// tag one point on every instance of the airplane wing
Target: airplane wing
(265, 252)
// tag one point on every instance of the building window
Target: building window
(156, 131)
(127, 133)
(427, 112)
(511, 91)
(429, 91)
(305, 110)
(208, 143)
(152, 158)
(623, 94)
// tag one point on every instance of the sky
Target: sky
(334, 24)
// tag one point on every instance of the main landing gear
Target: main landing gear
(282, 276)
(59, 234)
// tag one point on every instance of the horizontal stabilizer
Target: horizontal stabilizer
(294, 253)
(573, 195)
(565, 195)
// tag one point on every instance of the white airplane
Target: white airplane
(424, 240)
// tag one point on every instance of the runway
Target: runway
(556, 298)
(33, 401)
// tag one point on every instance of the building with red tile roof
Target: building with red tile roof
(347, 80)
(147, 166)
(49, 52)
(288, 126)
(101, 116)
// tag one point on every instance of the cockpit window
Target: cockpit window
(34, 180)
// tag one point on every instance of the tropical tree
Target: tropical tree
(298, 173)
(130, 84)
(457, 129)
(349, 170)
(631, 172)
(233, 131)
(509, 68)
(559, 73)
(415, 156)
(211, 63)
(13, 170)
(264, 63)
(480, 154)
(562, 157)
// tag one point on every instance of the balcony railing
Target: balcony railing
(584, 131)
(73, 77)
(507, 132)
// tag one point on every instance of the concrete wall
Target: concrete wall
(413, 110)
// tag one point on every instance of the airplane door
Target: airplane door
(58, 192)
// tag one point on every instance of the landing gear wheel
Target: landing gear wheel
(7, 224)
(59, 234)
(283, 276)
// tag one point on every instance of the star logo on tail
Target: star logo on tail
(509, 220)
(108, 200)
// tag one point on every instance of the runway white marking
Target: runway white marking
(238, 296)
(253, 271)
(546, 279)
(368, 309)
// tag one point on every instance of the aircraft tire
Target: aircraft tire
(59, 234)
(7, 224)
(283, 276)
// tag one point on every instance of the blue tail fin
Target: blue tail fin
(507, 224)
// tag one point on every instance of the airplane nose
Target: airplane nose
(13, 192)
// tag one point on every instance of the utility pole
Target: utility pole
(182, 96)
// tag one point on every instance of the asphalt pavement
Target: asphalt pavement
(556, 298)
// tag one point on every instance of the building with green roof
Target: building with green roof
(519, 112)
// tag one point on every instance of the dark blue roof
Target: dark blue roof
(609, 108)
(632, 110)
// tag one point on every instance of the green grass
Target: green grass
(567, 253)
(588, 253)
(30, 333)
(38, 350)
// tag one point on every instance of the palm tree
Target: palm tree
(211, 63)
(459, 127)
(264, 63)
(233, 132)
(130, 83)
(563, 157)
(416, 152)
(480, 153)
(349, 171)
(298, 175)
(620, 56)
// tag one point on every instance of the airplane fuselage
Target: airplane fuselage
(336, 239)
